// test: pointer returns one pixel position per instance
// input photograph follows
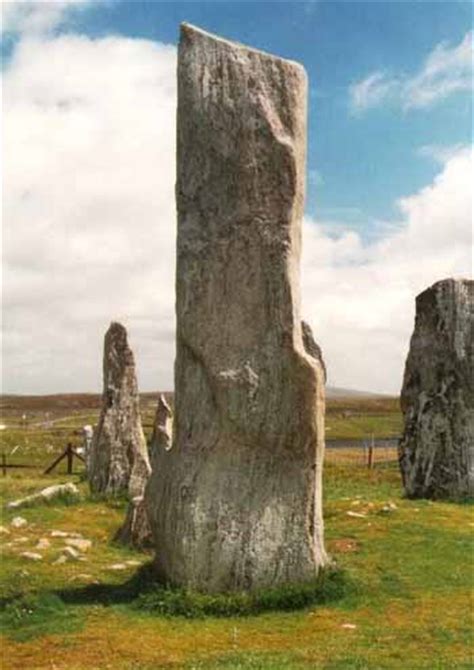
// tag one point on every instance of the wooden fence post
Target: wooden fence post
(370, 455)
(70, 454)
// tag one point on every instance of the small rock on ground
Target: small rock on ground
(31, 555)
(47, 494)
(18, 522)
(63, 533)
(79, 543)
(70, 552)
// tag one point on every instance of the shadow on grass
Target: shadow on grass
(111, 594)
(143, 593)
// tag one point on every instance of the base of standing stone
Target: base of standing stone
(135, 531)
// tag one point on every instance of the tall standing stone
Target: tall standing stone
(236, 502)
(437, 447)
(118, 460)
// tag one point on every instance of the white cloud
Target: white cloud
(439, 153)
(446, 70)
(361, 299)
(371, 91)
(89, 228)
(89, 219)
(34, 17)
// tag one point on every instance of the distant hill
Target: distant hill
(85, 401)
(338, 392)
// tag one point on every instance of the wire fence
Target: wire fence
(367, 452)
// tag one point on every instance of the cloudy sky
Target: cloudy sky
(89, 96)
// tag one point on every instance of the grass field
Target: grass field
(407, 566)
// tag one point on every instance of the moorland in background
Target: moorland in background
(405, 600)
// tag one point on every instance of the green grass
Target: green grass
(329, 586)
(400, 599)
(28, 616)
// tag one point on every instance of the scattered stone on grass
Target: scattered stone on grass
(78, 543)
(18, 522)
(388, 509)
(60, 560)
(4, 531)
(349, 626)
(31, 555)
(132, 563)
(117, 566)
(63, 533)
(48, 494)
(71, 553)
(43, 543)
(357, 515)
(82, 577)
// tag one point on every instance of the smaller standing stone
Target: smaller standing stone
(436, 451)
(136, 531)
(162, 436)
(118, 457)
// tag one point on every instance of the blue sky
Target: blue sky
(358, 164)
(349, 156)
(390, 126)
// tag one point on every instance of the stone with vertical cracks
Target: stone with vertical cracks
(236, 502)
(162, 435)
(437, 448)
(312, 347)
(118, 459)
(136, 531)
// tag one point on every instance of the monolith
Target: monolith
(236, 502)
(437, 448)
(162, 435)
(118, 459)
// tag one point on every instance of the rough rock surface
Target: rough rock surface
(236, 502)
(162, 436)
(118, 458)
(135, 531)
(437, 448)
(312, 347)
(48, 494)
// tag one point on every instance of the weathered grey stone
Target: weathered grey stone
(162, 436)
(118, 460)
(437, 448)
(135, 531)
(236, 502)
(48, 494)
(312, 347)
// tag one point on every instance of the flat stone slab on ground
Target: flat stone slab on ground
(31, 555)
(46, 495)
